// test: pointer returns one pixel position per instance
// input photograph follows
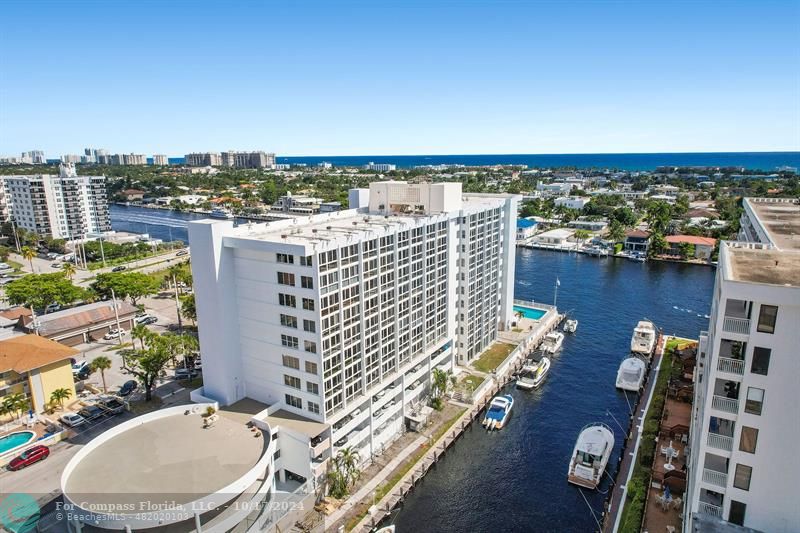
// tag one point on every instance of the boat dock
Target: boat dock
(528, 342)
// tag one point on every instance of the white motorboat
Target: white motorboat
(532, 375)
(590, 456)
(218, 212)
(644, 338)
(498, 413)
(552, 342)
(541, 371)
(571, 325)
(631, 374)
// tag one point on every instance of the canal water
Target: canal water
(515, 479)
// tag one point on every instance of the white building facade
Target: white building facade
(341, 317)
(745, 422)
(66, 206)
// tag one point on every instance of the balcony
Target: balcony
(709, 509)
(720, 442)
(720, 479)
(736, 325)
(730, 366)
(728, 405)
(317, 450)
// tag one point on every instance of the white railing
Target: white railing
(720, 442)
(721, 403)
(720, 479)
(736, 325)
(730, 366)
(710, 509)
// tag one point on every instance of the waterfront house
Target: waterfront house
(133, 195)
(555, 237)
(703, 246)
(35, 366)
(594, 226)
(525, 228)
(637, 241)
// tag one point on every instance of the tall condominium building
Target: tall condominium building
(63, 206)
(745, 425)
(203, 159)
(160, 160)
(34, 157)
(341, 317)
(71, 158)
(380, 167)
(247, 159)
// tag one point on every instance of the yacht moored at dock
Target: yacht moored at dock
(570, 326)
(631, 374)
(498, 413)
(590, 456)
(644, 338)
(218, 212)
(552, 342)
(532, 375)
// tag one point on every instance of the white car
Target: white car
(72, 419)
(114, 334)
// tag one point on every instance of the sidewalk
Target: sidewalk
(373, 483)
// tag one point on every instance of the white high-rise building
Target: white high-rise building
(160, 160)
(746, 421)
(63, 206)
(341, 317)
(380, 167)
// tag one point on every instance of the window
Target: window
(748, 439)
(310, 326)
(289, 321)
(741, 479)
(766, 318)
(294, 401)
(760, 361)
(276, 455)
(289, 341)
(306, 282)
(285, 278)
(313, 388)
(285, 258)
(736, 514)
(308, 304)
(287, 300)
(306, 260)
(291, 362)
(313, 407)
(291, 381)
(754, 401)
(310, 347)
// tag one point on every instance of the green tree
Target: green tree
(616, 231)
(5, 251)
(28, 253)
(40, 290)
(581, 235)
(69, 270)
(101, 363)
(133, 285)
(16, 403)
(439, 382)
(188, 307)
(148, 364)
(344, 472)
(658, 244)
(658, 216)
(141, 333)
(59, 395)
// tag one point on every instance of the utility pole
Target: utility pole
(116, 316)
(102, 252)
(177, 303)
(16, 237)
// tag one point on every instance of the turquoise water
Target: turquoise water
(527, 312)
(9, 442)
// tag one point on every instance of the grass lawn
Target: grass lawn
(472, 382)
(492, 357)
(160, 275)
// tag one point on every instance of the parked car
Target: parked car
(119, 268)
(52, 308)
(82, 374)
(56, 265)
(78, 366)
(146, 319)
(91, 412)
(185, 373)
(182, 252)
(72, 419)
(111, 405)
(114, 334)
(29, 456)
(128, 387)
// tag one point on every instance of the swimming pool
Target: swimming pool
(529, 312)
(15, 440)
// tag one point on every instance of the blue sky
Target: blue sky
(374, 77)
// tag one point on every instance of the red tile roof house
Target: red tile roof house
(637, 241)
(703, 246)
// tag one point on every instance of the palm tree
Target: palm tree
(581, 235)
(28, 253)
(141, 332)
(15, 403)
(69, 270)
(101, 363)
(439, 382)
(59, 395)
(345, 472)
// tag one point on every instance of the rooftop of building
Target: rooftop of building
(81, 316)
(780, 218)
(691, 239)
(171, 458)
(300, 424)
(753, 263)
(28, 352)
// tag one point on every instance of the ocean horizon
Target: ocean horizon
(765, 161)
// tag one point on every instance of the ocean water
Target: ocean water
(766, 161)
(516, 479)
